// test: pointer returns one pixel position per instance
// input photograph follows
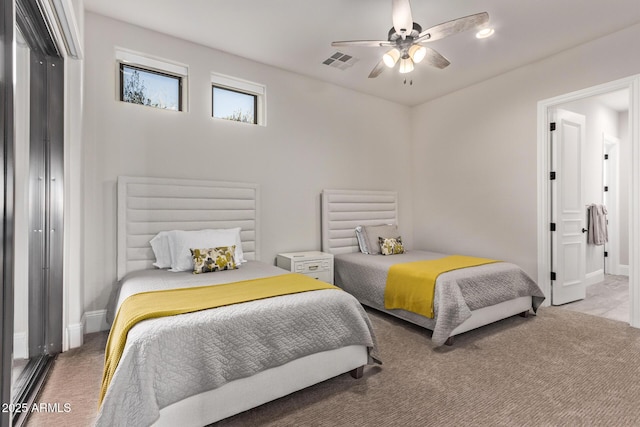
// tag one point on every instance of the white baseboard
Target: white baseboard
(75, 336)
(623, 270)
(20, 345)
(95, 321)
(595, 277)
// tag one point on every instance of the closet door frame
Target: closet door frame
(6, 204)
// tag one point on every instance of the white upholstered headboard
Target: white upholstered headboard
(147, 206)
(344, 210)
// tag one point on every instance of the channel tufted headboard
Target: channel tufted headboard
(344, 210)
(147, 206)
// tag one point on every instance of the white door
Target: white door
(568, 210)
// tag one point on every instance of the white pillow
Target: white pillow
(160, 246)
(362, 240)
(372, 233)
(239, 254)
(181, 243)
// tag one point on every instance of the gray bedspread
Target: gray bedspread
(169, 359)
(457, 292)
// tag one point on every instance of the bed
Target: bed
(200, 367)
(464, 299)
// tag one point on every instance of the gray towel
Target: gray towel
(597, 229)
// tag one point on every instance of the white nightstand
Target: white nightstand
(316, 264)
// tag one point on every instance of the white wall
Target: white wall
(474, 152)
(318, 136)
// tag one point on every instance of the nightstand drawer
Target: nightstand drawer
(325, 276)
(318, 265)
(312, 266)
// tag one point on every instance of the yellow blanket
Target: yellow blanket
(411, 285)
(148, 305)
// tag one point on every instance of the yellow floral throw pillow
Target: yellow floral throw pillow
(391, 246)
(213, 259)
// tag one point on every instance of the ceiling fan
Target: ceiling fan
(406, 39)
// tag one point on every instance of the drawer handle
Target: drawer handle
(313, 267)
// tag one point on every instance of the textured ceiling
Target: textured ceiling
(296, 35)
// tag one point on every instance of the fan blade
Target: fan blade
(366, 43)
(401, 17)
(377, 70)
(435, 59)
(450, 28)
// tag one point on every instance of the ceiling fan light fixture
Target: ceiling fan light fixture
(405, 37)
(417, 53)
(406, 65)
(484, 33)
(390, 58)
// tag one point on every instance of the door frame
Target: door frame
(611, 147)
(544, 201)
(7, 174)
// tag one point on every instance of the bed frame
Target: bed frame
(147, 206)
(343, 210)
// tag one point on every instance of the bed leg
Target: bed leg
(524, 314)
(357, 373)
(449, 341)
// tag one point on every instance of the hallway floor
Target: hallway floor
(609, 299)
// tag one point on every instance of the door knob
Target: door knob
(584, 230)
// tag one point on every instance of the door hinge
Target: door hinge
(553, 226)
(606, 254)
(552, 126)
(552, 176)
(606, 188)
(553, 275)
(606, 157)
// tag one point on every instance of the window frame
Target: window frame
(153, 65)
(255, 103)
(150, 71)
(245, 87)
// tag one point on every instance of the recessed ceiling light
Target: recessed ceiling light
(483, 34)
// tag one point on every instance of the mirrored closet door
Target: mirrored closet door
(38, 246)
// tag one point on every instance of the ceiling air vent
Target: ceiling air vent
(340, 60)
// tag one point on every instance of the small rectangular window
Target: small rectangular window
(237, 100)
(234, 105)
(151, 81)
(150, 87)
